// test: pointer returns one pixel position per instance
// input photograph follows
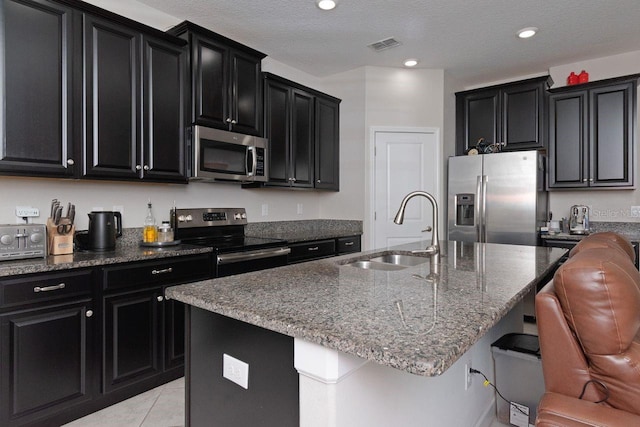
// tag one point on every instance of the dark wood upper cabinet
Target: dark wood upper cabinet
(513, 113)
(112, 115)
(37, 125)
(90, 94)
(226, 85)
(302, 126)
(592, 134)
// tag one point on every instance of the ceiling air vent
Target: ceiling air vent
(384, 44)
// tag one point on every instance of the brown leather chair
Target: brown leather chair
(605, 239)
(589, 329)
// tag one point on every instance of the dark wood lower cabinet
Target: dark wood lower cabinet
(46, 362)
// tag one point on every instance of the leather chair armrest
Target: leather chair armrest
(555, 410)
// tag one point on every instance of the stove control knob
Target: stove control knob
(244, 215)
(189, 218)
(6, 239)
(236, 216)
(36, 237)
(181, 218)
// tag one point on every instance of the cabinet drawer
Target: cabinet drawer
(348, 244)
(312, 250)
(44, 287)
(167, 271)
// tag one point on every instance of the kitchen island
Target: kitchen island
(370, 346)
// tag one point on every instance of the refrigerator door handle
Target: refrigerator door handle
(483, 200)
(478, 209)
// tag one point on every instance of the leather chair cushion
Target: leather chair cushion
(605, 239)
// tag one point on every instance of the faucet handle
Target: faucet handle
(427, 229)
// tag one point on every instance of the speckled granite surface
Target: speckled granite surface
(405, 319)
(126, 251)
(304, 230)
(631, 230)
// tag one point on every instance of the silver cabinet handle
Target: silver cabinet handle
(584, 180)
(160, 298)
(318, 181)
(49, 288)
(590, 179)
(233, 122)
(349, 244)
(163, 271)
(228, 120)
(146, 167)
(138, 167)
(89, 313)
(70, 162)
(315, 248)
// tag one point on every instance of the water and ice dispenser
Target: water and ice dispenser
(465, 208)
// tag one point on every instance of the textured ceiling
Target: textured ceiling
(474, 40)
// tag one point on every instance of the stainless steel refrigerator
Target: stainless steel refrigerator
(497, 198)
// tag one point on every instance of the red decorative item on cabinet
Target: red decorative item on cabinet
(583, 77)
(572, 79)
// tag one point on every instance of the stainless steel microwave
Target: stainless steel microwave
(227, 156)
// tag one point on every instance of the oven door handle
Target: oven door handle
(250, 255)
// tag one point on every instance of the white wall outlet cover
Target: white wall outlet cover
(27, 211)
(235, 370)
(635, 211)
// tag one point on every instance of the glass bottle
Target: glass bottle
(165, 233)
(150, 232)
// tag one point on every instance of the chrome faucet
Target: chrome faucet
(434, 248)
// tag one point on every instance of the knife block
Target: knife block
(59, 244)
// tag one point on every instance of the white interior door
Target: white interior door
(405, 161)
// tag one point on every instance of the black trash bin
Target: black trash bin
(518, 370)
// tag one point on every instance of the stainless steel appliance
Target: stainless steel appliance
(21, 241)
(227, 156)
(223, 229)
(579, 219)
(104, 228)
(497, 198)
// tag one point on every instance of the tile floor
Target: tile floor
(164, 407)
(160, 407)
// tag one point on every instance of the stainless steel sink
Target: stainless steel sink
(400, 259)
(389, 262)
(368, 265)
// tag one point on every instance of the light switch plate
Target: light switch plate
(235, 370)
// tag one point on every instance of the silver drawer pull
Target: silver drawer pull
(313, 249)
(349, 244)
(163, 271)
(49, 288)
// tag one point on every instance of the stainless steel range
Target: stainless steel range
(21, 241)
(223, 229)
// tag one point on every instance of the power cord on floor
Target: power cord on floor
(487, 383)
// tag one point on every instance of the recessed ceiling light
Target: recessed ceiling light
(525, 33)
(326, 4)
(410, 62)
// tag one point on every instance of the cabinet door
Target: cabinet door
(612, 118)
(568, 140)
(246, 93)
(277, 108)
(112, 88)
(173, 334)
(301, 142)
(523, 116)
(131, 338)
(163, 111)
(327, 143)
(36, 124)
(45, 361)
(477, 117)
(210, 76)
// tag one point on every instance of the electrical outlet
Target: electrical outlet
(235, 370)
(27, 211)
(467, 375)
(299, 208)
(265, 209)
(635, 211)
(118, 208)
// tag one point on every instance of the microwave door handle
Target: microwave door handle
(254, 160)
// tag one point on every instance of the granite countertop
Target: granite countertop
(122, 254)
(408, 319)
(630, 230)
(305, 230)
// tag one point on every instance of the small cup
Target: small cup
(554, 227)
